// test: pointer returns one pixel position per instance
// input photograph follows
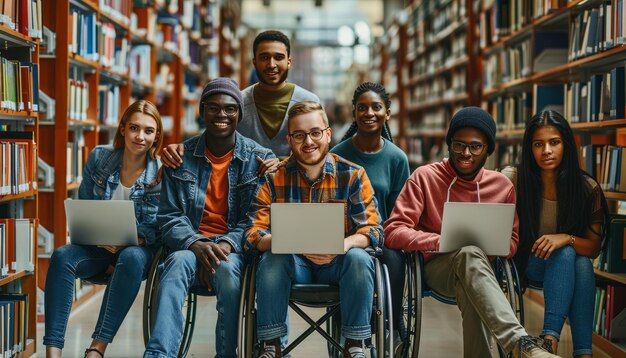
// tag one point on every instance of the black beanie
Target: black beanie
(474, 117)
(223, 85)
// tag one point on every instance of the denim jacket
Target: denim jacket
(101, 177)
(184, 193)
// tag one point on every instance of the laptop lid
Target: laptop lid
(101, 222)
(307, 228)
(486, 225)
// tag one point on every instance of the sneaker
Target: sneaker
(353, 349)
(271, 349)
(531, 347)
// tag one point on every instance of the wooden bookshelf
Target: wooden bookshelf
(171, 63)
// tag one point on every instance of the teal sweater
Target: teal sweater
(387, 169)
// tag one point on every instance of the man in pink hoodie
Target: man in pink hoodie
(415, 225)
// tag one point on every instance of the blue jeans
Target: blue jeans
(569, 292)
(72, 261)
(353, 272)
(178, 275)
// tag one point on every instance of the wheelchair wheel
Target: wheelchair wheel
(333, 327)
(506, 275)
(412, 308)
(247, 346)
(149, 308)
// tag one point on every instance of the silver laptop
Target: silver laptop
(101, 222)
(307, 228)
(486, 225)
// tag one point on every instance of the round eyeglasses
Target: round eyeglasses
(315, 134)
(214, 110)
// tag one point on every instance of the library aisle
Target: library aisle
(441, 331)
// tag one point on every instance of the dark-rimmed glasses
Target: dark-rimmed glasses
(315, 134)
(474, 148)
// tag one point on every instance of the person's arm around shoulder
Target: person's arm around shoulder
(257, 233)
(401, 229)
(364, 214)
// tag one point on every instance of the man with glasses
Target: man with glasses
(202, 216)
(312, 175)
(415, 225)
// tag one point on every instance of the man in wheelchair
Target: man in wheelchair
(202, 216)
(313, 175)
(415, 225)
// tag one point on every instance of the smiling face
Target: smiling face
(466, 164)
(221, 115)
(547, 148)
(140, 133)
(272, 63)
(309, 152)
(370, 113)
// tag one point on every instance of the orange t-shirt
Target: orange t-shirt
(215, 213)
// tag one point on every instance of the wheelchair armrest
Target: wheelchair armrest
(374, 251)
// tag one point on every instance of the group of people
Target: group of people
(271, 143)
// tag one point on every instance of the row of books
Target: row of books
(609, 315)
(440, 88)
(504, 17)
(116, 9)
(17, 245)
(108, 104)
(512, 111)
(23, 16)
(13, 323)
(140, 63)
(18, 153)
(78, 99)
(613, 258)
(606, 163)
(76, 155)
(442, 56)
(597, 29)
(19, 85)
(428, 19)
(601, 97)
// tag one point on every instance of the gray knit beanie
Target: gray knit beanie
(223, 85)
(474, 117)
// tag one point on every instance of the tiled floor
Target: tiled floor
(442, 338)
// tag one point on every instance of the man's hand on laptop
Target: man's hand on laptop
(111, 249)
(209, 254)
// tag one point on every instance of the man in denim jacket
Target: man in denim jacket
(202, 216)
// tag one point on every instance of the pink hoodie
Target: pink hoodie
(415, 222)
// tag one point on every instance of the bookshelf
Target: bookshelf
(437, 71)
(20, 33)
(107, 55)
(564, 55)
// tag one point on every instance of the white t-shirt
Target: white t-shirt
(121, 193)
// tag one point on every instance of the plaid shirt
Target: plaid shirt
(341, 182)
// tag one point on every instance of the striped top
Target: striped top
(340, 182)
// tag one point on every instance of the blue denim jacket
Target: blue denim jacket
(101, 177)
(184, 193)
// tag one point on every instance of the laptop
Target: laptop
(101, 222)
(486, 225)
(307, 228)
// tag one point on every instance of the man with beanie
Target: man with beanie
(202, 216)
(415, 225)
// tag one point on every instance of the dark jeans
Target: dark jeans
(394, 259)
(72, 261)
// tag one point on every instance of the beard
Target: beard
(453, 157)
(260, 76)
(309, 161)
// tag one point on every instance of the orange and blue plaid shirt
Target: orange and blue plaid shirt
(341, 181)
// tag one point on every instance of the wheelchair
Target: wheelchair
(415, 290)
(189, 306)
(320, 296)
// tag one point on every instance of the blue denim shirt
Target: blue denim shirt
(184, 193)
(101, 177)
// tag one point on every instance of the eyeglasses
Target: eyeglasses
(214, 110)
(316, 134)
(474, 148)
